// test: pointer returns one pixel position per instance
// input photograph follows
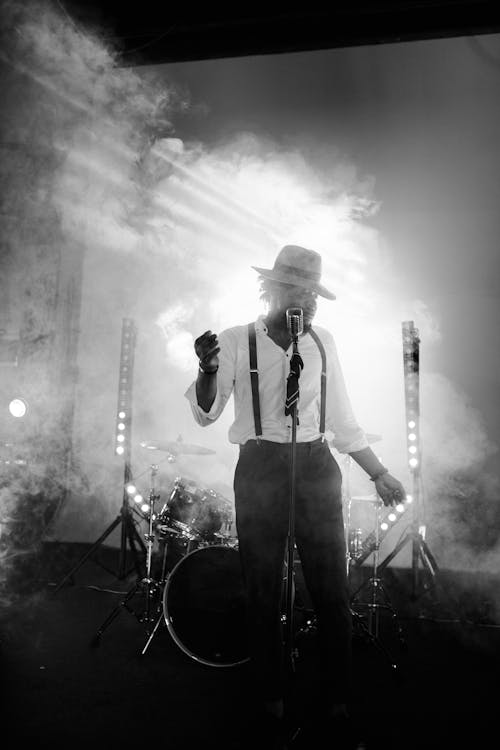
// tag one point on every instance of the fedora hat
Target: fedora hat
(298, 266)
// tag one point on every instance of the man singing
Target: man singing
(253, 362)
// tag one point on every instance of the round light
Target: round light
(121, 415)
(384, 526)
(138, 499)
(412, 424)
(400, 508)
(121, 426)
(145, 508)
(412, 448)
(131, 489)
(18, 407)
(413, 462)
(392, 517)
(412, 436)
(409, 498)
(120, 438)
(120, 450)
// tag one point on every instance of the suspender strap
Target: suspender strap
(321, 348)
(254, 378)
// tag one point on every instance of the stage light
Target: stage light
(412, 449)
(120, 450)
(413, 462)
(138, 499)
(412, 436)
(387, 523)
(145, 508)
(18, 408)
(131, 489)
(125, 378)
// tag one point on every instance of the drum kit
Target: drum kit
(193, 580)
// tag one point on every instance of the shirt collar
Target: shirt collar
(260, 326)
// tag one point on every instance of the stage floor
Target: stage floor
(60, 690)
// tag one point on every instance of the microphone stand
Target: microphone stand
(295, 325)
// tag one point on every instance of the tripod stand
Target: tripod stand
(147, 585)
(129, 537)
(420, 552)
(378, 596)
(420, 549)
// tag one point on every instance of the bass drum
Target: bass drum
(204, 606)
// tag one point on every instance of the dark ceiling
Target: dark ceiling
(159, 32)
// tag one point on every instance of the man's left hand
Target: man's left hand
(390, 489)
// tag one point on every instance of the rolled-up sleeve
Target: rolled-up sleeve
(225, 382)
(340, 419)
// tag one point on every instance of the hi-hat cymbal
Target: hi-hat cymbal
(176, 447)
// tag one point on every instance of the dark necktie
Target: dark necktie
(292, 383)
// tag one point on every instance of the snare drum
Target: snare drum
(204, 606)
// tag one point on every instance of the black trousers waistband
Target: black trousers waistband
(271, 445)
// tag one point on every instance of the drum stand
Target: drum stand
(376, 590)
(148, 586)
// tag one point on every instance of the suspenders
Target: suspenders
(254, 378)
(321, 348)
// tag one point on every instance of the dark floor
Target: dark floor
(60, 690)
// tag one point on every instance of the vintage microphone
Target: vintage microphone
(295, 325)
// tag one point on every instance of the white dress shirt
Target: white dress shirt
(273, 363)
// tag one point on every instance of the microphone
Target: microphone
(295, 321)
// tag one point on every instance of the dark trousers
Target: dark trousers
(262, 495)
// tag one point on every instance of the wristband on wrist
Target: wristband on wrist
(207, 372)
(378, 474)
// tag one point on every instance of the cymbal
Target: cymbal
(176, 447)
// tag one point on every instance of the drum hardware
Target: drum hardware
(194, 513)
(367, 631)
(204, 606)
(375, 588)
(147, 585)
(192, 517)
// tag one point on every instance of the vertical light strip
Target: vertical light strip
(411, 365)
(125, 380)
